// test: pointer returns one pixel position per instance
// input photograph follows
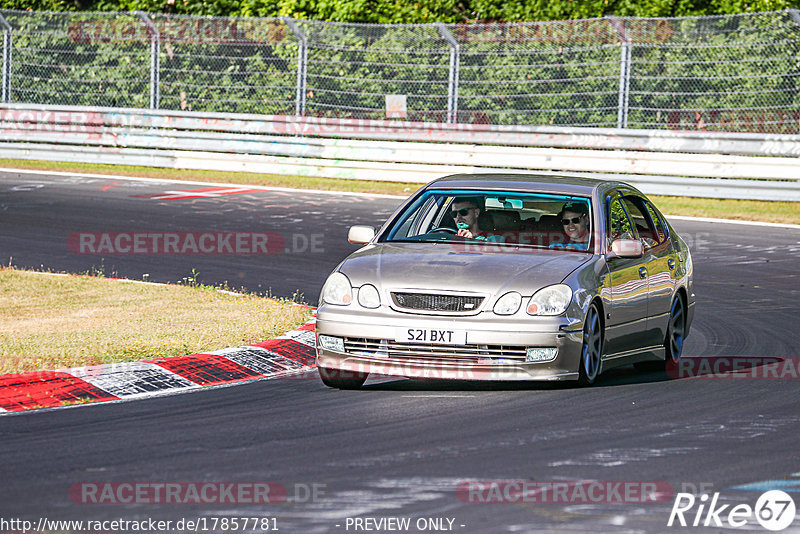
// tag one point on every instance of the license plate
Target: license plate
(436, 336)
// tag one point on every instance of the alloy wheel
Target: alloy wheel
(592, 349)
(676, 330)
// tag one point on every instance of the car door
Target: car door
(659, 263)
(661, 272)
(626, 318)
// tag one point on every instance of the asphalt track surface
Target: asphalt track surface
(400, 448)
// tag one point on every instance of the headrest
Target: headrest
(505, 220)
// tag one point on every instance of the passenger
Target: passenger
(575, 222)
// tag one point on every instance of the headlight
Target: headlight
(368, 296)
(508, 304)
(551, 300)
(337, 290)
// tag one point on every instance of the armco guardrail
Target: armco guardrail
(703, 164)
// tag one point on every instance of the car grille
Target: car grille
(440, 303)
(387, 349)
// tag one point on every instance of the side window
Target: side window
(402, 231)
(418, 216)
(435, 216)
(618, 224)
(661, 232)
(644, 227)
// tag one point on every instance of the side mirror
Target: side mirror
(360, 235)
(626, 248)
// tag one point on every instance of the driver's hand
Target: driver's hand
(465, 233)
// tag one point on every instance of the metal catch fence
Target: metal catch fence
(724, 73)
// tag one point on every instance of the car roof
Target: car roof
(543, 183)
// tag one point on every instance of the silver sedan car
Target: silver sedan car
(508, 277)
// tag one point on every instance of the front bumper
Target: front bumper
(483, 330)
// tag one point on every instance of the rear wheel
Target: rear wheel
(673, 341)
(340, 379)
(592, 349)
(676, 331)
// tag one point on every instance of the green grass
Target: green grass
(746, 210)
(753, 210)
(50, 321)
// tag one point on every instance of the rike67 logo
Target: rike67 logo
(774, 510)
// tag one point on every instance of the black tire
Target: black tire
(676, 332)
(339, 379)
(592, 349)
(673, 340)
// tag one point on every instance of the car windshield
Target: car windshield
(496, 218)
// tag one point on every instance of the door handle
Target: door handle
(671, 264)
(642, 272)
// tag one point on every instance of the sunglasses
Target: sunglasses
(574, 220)
(463, 212)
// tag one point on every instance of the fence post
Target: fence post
(624, 72)
(155, 58)
(452, 82)
(5, 90)
(628, 49)
(302, 62)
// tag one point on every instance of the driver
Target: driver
(465, 212)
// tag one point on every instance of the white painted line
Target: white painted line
(192, 182)
(129, 281)
(436, 396)
(126, 280)
(733, 221)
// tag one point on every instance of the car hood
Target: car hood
(441, 266)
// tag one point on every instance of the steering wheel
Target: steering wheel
(443, 229)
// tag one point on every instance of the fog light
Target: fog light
(541, 354)
(331, 343)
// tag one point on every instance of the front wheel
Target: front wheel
(592, 349)
(340, 379)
